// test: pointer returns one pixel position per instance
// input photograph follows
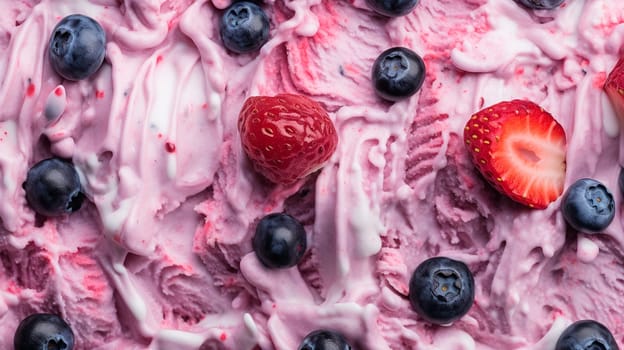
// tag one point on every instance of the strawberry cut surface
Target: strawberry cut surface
(286, 136)
(614, 87)
(520, 149)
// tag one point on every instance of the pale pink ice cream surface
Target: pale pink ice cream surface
(160, 256)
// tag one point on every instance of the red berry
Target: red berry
(520, 149)
(614, 87)
(286, 137)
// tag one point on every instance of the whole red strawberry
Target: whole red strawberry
(614, 87)
(286, 136)
(520, 149)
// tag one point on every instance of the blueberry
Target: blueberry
(324, 340)
(540, 4)
(392, 8)
(586, 335)
(588, 206)
(244, 27)
(77, 47)
(53, 187)
(398, 73)
(279, 241)
(43, 332)
(441, 290)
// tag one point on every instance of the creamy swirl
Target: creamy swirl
(160, 256)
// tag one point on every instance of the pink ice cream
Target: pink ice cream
(160, 255)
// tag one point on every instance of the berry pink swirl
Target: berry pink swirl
(160, 256)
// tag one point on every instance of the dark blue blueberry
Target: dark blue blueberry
(621, 180)
(53, 187)
(586, 335)
(441, 290)
(588, 206)
(77, 47)
(280, 240)
(244, 27)
(324, 340)
(43, 332)
(392, 8)
(213, 344)
(541, 4)
(398, 73)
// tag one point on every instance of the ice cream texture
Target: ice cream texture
(160, 257)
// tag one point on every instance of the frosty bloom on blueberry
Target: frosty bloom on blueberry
(586, 335)
(588, 206)
(53, 187)
(77, 47)
(398, 73)
(441, 290)
(540, 4)
(279, 241)
(244, 27)
(392, 8)
(43, 331)
(324, 340)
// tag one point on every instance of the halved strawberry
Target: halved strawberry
(520, 149)
(614, 87)
(286, 136)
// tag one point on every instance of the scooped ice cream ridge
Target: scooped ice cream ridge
(159, 256)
